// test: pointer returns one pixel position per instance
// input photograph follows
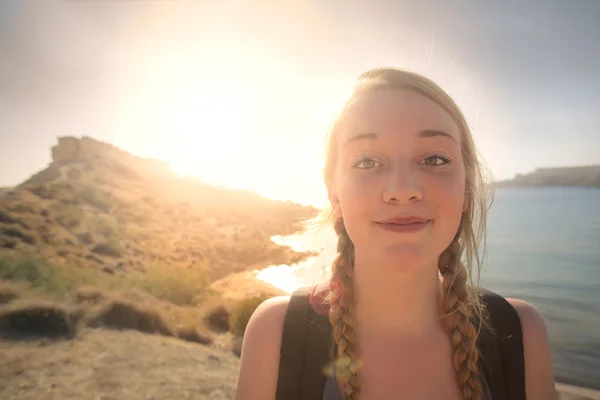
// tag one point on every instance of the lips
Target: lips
(404, 220)
(404, 224)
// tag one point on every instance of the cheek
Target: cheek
(449, 195)
(358, 199)
(357, 194)
(356, 189)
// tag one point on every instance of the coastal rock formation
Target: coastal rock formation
(585, 176)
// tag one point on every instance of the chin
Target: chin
(406, 256)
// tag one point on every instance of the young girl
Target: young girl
(408, 204)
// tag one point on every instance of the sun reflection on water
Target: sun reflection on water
(308, 272)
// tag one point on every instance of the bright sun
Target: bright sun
(206, 135)
(259, 128)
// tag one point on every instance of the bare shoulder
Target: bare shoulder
(260, 351)
(532, 321)
(539, 374)
(272, 310)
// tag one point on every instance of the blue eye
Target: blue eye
(364, 162)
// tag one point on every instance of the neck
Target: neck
(396, 302)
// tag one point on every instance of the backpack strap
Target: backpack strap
(501, 349)
(305, 349)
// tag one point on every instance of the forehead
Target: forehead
(397, 112)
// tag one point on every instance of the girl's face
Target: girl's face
(399, 160)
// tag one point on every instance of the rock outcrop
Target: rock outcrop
(93, 154)
(87, 150)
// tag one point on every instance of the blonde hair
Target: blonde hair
(463, 307)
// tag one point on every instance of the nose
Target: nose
(403, 185)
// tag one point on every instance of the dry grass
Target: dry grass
(122, 314)
(130, 309)
(89, 295)
(175, 283)
(37, 273)
(217, 319)
(70, 216)
(191, 334)
(111, 248)
(10, 291)
(157, 301)
(127, 310)
(40, 318)
(18, 233)
(6, 217)
(141, 306)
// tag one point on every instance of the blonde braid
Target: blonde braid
(341, 315)
(459, 322)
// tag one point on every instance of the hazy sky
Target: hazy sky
(241, 92)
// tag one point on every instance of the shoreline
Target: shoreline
(579, 391)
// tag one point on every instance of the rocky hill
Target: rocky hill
(584, 176)
(98, 207)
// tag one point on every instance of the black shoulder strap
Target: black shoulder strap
(503, 359)
(305, 348)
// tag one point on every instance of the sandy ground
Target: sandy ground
(111, 365)
(102, 364)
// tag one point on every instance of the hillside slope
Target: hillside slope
(98, 207)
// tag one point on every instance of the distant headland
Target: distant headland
(582, 176)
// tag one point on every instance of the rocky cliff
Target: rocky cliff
(86, 149)
(91, 153)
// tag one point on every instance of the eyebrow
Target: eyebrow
(427, 133)
(368, 135)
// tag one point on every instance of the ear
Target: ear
(465, 204)
(335, 205)
(337, 211)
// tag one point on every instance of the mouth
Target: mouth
(404, 225)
